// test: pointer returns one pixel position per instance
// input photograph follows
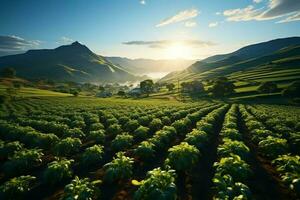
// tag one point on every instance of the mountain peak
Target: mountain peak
(76, 43)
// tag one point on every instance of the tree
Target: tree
(74, 92)
(267, 87)
(292, 91)
(8, 72)
(170, 86)
(147, 86)
(192, 87)
(121, 93)
(222, 87)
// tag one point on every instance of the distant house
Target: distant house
(104, 94)
(135, 92)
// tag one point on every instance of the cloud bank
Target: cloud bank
(179, 17)
(166, 43)
(290, 9)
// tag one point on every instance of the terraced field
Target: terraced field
(84, 148)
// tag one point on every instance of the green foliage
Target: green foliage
(67, 146)
(272, 147)
(155, 125)
(145, 150)
(97, 136)
(292, 91)
(226, 188)
(131, 125)
(147, 86)
(197, 138)
(22, 161)
(58, 171)
(159, 184)
(16, 187)
(182, 126)
(233, 165)
(82, 189)
(141, 133)
(182, 157)
(92, 155)
(8, 72)
(10, 148)
(170, 86)
(114, 129)
(267, 87)
(122, 142)
(119, 168)
(192, 87)
(233, 147)
(231, 133)
(222, 87)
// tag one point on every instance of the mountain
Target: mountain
(144, 66)
(247, 58)
(74, 62)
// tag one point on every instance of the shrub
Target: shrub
(16, 187)
(97, 136)
(166, 120)
(22, 161)
(145, 150)
(92, 155)
(122, 142)
(233, 165)
(183, 156)
(233, 147)
(58, 171)
(75, 133)
(67, 147)
(9, 148)
(82, 189)
(272, 147)
(144, 120)
(231, 134)
(131, 125)
(205, 126)
(182, 126)
(141, 133)
(226, 188)
(114, 130)
(155, 125)
(96, 127)
(119, 168)
(159, 184)
(197, 138)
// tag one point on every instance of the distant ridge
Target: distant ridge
(74, 62)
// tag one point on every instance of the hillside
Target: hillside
(273, 55)
(74, 62)
(144, 66)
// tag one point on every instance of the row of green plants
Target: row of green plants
(275, 149)
(231, 170)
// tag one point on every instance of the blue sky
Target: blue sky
(191, 29)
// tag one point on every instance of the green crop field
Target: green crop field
(90, 148)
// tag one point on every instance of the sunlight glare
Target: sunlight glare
(178, 50)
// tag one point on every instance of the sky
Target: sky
(156, 29)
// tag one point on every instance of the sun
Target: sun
(177, 50)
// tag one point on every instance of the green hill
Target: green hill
(266, 57)
(74, 62)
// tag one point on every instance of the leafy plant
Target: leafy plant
(92, 155)
(82, 189)
(233, 147)
(272, 147)
(183, 156)
(155, 125)
(231, 133)
(57, 171)
(145, 150)
(159, 184)
(67, 146)
(119, 168)
(23, 160)
(226, 188)
(131, 125)
(141, 133)
(197, 138)
(233, 165)
(97, 136)
(122, 142)
(16, 187)
(9, 148)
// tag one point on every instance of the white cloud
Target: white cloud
(274, 9)
(190, 24)
(292, 18)
(143, 2)
(166, 43)
(181, 16)
(64, 40)
(16, 43)
(213, 24)
(257, 1)
(218, 13)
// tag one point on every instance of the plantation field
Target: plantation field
(89, 148)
